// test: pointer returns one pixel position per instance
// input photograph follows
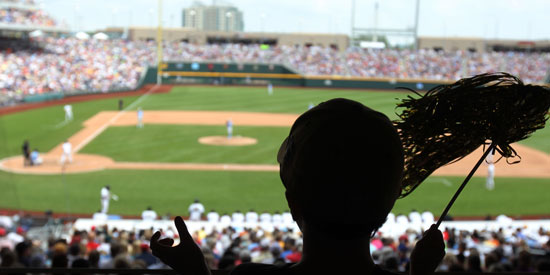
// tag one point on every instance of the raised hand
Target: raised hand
(186, 257)
(428, 252)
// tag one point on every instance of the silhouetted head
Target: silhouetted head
(196, 201)
(149, 208)
(108, 187)
(341, 166)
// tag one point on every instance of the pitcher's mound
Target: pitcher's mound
(224, 141)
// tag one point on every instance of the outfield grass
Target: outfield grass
(255, 99)
(173, 191)
(179, 143)
(539, 140)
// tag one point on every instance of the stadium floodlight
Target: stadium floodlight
(375, 32)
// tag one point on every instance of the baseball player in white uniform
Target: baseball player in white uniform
(149, 214)
(140, 118)
(66, 155)
(105, 197)
(269, 89)
(229, 125)
(195, 211)
(213, 216)
(68, 112)
(490, 180)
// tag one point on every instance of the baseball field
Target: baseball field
(181, 154)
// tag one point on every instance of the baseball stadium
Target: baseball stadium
(107, 135)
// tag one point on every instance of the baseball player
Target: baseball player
(106, 196)
(490, 180)
(140, 118)
(68, 112)
(66, 155)
(229, 125)
(195, 210)
(213, 216)
(269, 88)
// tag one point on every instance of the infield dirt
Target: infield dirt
(534, 163)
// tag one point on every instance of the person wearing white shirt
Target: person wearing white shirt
(68, 112)
(251, 216)
(265, 217)
(67, 148)
(402, 219)
(105, 197)
(415, 217)
(428, 217)
(225, 219)
(140, 118)
(213, 216)
(269, 88)
(277, 218)
(237, 217)
(287, 217)
(195, 210)
(490, 180)
(149, 214)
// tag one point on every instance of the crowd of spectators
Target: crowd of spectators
(26, 17)
(359, 62)
(70, 64)
(506, 249)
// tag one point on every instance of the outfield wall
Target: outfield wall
(277, 74)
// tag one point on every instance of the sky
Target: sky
(491, 19)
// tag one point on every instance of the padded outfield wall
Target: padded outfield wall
(277, 74)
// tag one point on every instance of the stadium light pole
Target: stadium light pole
(416, 18)
(352, 22)
(159, 44)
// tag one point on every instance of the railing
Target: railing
(99, 271)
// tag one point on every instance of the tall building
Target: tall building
(213, 18)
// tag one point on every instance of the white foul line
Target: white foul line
(112, 120)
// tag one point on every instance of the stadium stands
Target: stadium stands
(478, 246)
(72, 65)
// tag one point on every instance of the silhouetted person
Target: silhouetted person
(120, 104)
(341, 165)
(26, 153)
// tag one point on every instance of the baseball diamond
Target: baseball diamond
(107, 141)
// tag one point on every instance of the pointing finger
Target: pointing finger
(182, 231)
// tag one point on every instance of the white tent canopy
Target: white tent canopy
(36, 33)
(101, 36)
(82, 35)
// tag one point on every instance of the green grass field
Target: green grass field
(149, 144)
(173, 191)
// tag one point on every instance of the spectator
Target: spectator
(146, 255)
(313, 159)
(149, 214)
